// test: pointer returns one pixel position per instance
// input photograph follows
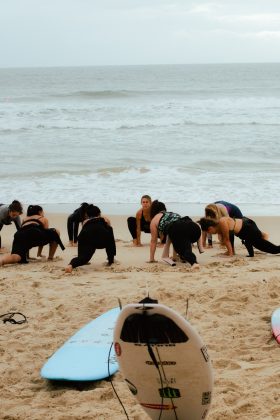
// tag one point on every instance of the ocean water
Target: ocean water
(181, 133)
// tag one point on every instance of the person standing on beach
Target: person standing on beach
(8, 214)
(33, 232)
(245, 229)
(181, 231)
(73, 221)
(96, 234)
(140, 223)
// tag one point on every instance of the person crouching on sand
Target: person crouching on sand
(181, 231)
(140, 223)
(96, 233)
(245, 229)
(10, 213)
(34, 232)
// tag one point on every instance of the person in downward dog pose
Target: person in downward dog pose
(96, 233)
(217, 210)
(181, 231)
(245, 229)
(34, 232)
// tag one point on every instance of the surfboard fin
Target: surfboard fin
(120, 303)
(148, 300)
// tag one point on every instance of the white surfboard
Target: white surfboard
(85, 356)
(164, 362)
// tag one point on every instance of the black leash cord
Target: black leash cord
(8, 317)
(111, 382)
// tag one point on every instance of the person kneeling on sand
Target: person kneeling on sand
(34, 232)
(96, 233)
(245, 229)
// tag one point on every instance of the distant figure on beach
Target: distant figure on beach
(217, 210)
(244, 228)
(96, 234)
(8, 214)
(33, 232)
(181, 231)
(140, 223)
(73, 221)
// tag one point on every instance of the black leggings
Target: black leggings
(1, 225)
(29, 236)
(72, 228)
(182, 235)
(132, 226)
(252, 237)
(91, 238)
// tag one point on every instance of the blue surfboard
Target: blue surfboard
(84, 357)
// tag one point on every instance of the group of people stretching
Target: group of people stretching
(221, 217)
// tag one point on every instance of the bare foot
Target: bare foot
(68, 269)
(71, 243)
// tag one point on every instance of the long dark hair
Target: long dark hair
(16, 206)
(93, 211)
(157, 207)
(33, 210)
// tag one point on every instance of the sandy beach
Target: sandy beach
(230, 302)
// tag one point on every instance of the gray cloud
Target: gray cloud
(90, 32)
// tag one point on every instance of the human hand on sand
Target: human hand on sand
(68, 269)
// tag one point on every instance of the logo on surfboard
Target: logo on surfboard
(169, 392)
(159, 406)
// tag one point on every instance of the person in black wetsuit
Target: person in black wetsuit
(96, 233)
(73, 221)
(245, 229)
(34, 232)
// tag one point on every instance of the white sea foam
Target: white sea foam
(186, 134)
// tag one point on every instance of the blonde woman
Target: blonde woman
(215, 211)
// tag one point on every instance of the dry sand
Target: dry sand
(230, 304)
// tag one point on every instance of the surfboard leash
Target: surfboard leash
(157, 364)
(111, 382)
(9, 317)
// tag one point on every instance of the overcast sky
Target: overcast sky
(101, 32)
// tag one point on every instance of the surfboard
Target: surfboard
(164, 362)
(275, 324)
(85, 356)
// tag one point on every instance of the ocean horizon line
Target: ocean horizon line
(185, 209)
(75, 66)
